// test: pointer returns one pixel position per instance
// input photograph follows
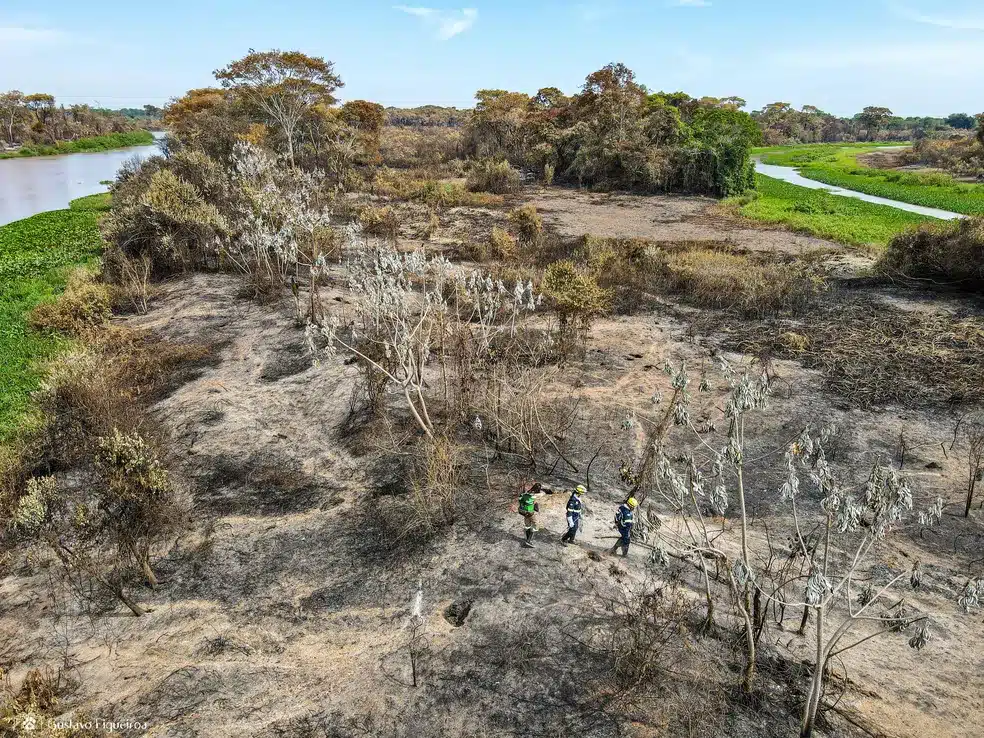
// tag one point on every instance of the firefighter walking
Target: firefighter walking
(575, 509)
(624, 520)
(528, 508)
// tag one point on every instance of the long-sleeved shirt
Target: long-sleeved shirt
(624, 517)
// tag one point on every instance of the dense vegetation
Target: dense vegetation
(36, 255)
(838, 165)
(614, 134)
(427, 116)
(818, 213)
(83, 145)
(35, 120)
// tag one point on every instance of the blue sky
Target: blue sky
(922, 57)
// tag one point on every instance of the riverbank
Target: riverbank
(838, 165)
(817, 212)
(84, 145)
(37, 255)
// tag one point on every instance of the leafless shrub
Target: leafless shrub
(648, 634)
(973, 431)
(131, 276)
(437, 496)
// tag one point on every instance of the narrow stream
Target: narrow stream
(789, 174)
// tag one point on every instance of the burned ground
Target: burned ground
(280, 613)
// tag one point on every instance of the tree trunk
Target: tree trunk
(970, 494)
(148, 573)
(804, 622)
(816, 684)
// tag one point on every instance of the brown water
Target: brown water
(36, 184)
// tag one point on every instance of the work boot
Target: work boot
(529, 539)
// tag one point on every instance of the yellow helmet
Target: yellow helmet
(632, 502)
(581, 490)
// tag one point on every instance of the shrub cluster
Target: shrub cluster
(495, 176)
(948, 252)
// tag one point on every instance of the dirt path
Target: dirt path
(673, 218)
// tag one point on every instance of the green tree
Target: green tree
(961, 121)
(41, 105)
(284, 85)
(11, 107)
(874, 118)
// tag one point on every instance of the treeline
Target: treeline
(36, 120)
(146, 113)
(781, 123)
(427, 116)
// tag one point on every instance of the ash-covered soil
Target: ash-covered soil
(280, 614)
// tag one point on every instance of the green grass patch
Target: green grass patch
(35, 256)
(83, 145)
(837, 165)
(819, 213)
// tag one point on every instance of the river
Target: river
(789, 174)
(39, 183)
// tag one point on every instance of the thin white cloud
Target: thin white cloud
(590, 12)
(690, 3)
(445, 24)
(960, 23)
(24, 37)
(921, 57)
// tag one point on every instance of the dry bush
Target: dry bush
(962, 155)
(105, 516)
(529, 225)
(948, 252)
(437, 495)
(750, 285)
(495, 176)
(130, 278)
(501, 245)
(432, 226)
(649, 633)
(630, 267)
(84, 306)
(382, 222)
(476, 251)
(432, 192)
(28, 710)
